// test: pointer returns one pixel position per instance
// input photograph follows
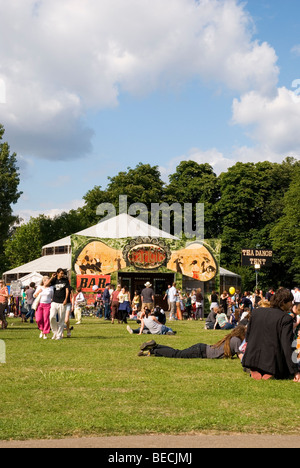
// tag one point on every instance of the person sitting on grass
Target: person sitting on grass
(228, 347)
(151, 323)
(222, 320)
(270, 340)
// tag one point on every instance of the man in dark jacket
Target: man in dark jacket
(269, 339)
(106, 302)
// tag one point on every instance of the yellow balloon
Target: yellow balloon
(232, 291)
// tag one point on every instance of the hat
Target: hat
(148, 285)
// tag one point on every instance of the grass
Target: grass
(94, 384)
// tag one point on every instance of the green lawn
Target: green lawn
(94, 384)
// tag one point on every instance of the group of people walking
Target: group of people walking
(51, 304)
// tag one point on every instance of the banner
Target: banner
(89, 283)
(100, 257)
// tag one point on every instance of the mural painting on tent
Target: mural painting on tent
(196, 260)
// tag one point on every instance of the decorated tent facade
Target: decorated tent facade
(127, 250)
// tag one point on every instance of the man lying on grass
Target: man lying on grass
(228, 347)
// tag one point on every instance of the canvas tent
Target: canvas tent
(44, 266)
(34, 277)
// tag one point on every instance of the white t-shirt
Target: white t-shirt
(79, 298)
(46, 294)
(297, 296)
(172, 294)
(154, 327)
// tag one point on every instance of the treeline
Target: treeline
(246, 206)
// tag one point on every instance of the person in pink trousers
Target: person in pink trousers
(44, 295)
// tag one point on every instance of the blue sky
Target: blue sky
(89, 93)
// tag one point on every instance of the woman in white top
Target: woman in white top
(79, 303)
(44, 295)
(124, 304)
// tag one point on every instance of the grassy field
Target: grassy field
(94, 384)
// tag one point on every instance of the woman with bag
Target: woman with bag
(4, 295)
(42, 304)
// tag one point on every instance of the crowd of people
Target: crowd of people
(264, 328)
(265, 335)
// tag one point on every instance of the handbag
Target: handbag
(36, 302)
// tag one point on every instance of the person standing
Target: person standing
(106, 301)
(79, 302)
(115, 303)
(45, 295)
(124, 304)
(296, 296)
(173, 299)
(214, 300)
(147, 296)
(167, 297)
(224, 301)
(61, 287)
(199, 305)
(30, 299)
(4, 295)
(69, 310)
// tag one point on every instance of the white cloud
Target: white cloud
(62, 58)
(26, 214)
(221, 162)
(213, 157)
(272, 122)
(296, 50)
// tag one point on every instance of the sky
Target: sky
(89, 88)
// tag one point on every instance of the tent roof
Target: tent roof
(224, 272)
(33, 277)
(119, 227)
(47, 264)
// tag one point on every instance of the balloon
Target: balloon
(95, 288)
(232, 291)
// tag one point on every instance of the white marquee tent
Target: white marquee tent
(34, 277)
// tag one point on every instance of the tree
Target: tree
(251, 202)
(26, 242)
(195, 183)
(142, 184)
(285, 235)
(9, 194)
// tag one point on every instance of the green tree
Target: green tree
(285, 235)
(9, 194)
(195, 183)
(251, 202)
(26, 242)
(142, 184)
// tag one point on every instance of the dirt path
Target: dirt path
(165, 441)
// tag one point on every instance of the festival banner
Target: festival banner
(101, 257)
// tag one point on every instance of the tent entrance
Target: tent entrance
(159, 281)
